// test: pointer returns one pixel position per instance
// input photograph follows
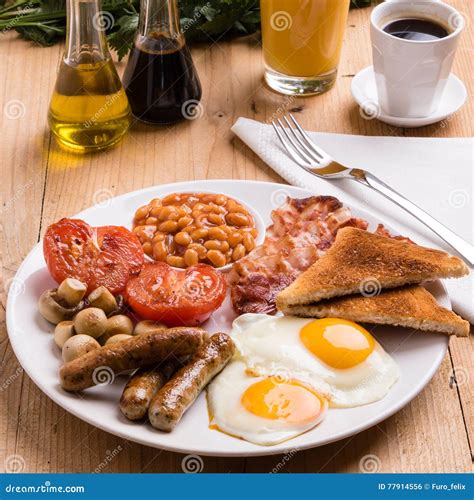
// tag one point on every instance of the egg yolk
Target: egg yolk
(291, 401)
(337, 342)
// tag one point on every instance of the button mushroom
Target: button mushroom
(103, 299)
(147, 326)
(118, 338)
(117, 325)
(71, 292)
(63, 332)
(77, 346)
(91, 321)
(53, 310)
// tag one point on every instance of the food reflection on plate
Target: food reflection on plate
(271, 377)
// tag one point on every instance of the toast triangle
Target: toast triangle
(410, 306)
(360, 261)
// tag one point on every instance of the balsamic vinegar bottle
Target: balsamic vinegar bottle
(160, 79)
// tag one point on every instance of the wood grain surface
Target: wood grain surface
(41, 183)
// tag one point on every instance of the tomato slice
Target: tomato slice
(176, 297)
(106, 255)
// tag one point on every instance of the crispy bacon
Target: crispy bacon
(302, 231)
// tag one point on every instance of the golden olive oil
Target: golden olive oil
(89, 109)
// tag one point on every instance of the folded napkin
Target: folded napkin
(436, 174)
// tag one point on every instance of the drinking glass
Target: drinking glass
(302, 41)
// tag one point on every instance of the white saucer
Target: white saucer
(364, 92)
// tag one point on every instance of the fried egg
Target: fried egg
(339, 359)
(263, 410)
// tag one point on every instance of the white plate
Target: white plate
(364, 92)
(417, 354)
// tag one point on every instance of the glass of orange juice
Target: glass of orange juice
(302, 41)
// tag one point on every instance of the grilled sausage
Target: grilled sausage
(142, 387)
(101, 365)
(179, 393)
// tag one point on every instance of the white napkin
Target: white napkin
(436, 174)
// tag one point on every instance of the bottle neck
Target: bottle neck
(160, 18)
(85, 32)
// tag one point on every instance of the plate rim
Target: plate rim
(54, 395)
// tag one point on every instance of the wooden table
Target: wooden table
(41, 183)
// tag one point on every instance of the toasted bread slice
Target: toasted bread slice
(410, 306)
(359, 260)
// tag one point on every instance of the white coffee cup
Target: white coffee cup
(411, 75)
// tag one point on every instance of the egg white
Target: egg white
(230, 416)
(271, 345)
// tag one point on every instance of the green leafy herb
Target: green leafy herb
(44, 21)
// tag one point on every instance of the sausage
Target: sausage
(179, 393)
(102, 364)
(142, 387)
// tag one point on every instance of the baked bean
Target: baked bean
(224, 246)
(216, 219)
(220, 199)
(184, 221)
(234, 239)
(215, 257)
(169, 226)
(200, 249)
(212, 245)
(217, 234)
(175, 261)
(184, 229)
(236, 219)
(239, 252)
(199, 234)
(216, 209)
(189, 229)
(169, 213)
(158, 237)
(160, 251)
(142, 212)
(152, 221)
(171, 198)
(182, 238)
(249, 242)
(148, 248)
(233, 206)
(155, 211)
(191, 257)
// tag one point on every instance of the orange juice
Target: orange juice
(303, 38)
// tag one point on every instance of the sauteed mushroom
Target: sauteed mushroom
(103, 299)
(117, 325)
(71, 292)
(63, 332)
(78, 346)
(118, 338)
(54, 311)
(146, 326)
(91, 321)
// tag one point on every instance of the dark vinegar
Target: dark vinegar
(160, 79)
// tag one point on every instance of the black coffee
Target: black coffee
(419, 30)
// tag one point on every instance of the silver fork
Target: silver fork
(314, 160)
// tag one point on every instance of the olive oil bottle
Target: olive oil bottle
(89, 109)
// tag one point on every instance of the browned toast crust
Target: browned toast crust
(409, 306)
(359, 257)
